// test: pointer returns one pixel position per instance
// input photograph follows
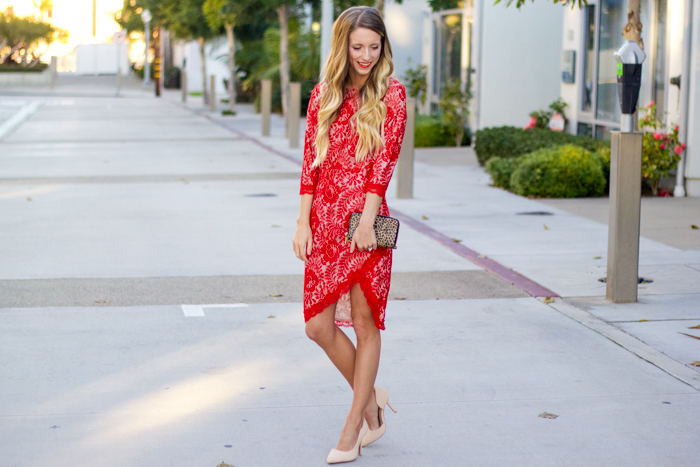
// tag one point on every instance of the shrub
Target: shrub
(500, 170)
(561, 172)
(660, 151)
(603, 156)
(416, 82)
(11, 67)
(434, 132)
(454, 105)
(172, 78)
(509, 142)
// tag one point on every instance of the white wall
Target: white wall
(676, 17)
(572, 38)
(692, 168)
(213, 49)
(404, 26)
(520, 61)
(101, 59)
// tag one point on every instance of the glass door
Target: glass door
(451, 51)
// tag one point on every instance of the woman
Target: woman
(355, 126)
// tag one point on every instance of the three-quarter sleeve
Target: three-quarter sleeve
(309, 175)
(394, 128)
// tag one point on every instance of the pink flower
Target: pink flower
(663, 146)
(646, 119)
(676, 129)
(657, 135)
(683, 145)
(664, 136)
(650, 104)
(678, 150)
(645, 175)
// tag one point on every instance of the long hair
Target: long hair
(370, 116)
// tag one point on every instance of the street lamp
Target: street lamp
(146, 17)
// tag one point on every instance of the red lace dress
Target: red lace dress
(339, 187)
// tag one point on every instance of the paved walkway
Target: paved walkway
(150, 310)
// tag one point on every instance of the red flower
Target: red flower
(663, 146)
(676, 128)
(657, 135)
(678, 150)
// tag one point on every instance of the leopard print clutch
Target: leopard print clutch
(386, 229)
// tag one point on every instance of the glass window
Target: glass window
(436, 60)
(603, 131)
(451, 48)
(613, 17)
(589, 44)
(584, 129)
(659, 94)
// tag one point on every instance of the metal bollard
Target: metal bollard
(623, 224)
(266, 105)
(294, 114)
(183, 85)
(404, 177)
(53, 68)
(212, 94)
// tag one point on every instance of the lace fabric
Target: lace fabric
(339, 187)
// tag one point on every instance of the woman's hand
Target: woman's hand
(364, 237)
(303, 242)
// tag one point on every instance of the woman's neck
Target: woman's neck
(355, 80)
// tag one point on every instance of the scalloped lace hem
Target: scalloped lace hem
(354, 278)
(379, 190)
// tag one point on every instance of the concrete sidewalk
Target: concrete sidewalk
(560, 244)
(119, 211)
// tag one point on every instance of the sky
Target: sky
(76, 17)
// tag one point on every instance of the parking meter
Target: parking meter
(625, 182)
(629, 79)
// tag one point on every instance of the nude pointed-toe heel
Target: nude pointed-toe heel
(382, 397)
(337, 457)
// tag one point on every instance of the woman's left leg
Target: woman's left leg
(366, 366)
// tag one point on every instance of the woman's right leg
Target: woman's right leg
(341, 351)
(337, 345)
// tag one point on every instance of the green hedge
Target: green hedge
(433, 132)
(501, 170)
(14, 68)
(510, 142)
(567, 171)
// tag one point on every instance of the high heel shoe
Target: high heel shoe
(382, 397)
(336, 456)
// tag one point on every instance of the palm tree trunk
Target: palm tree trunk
(633, 28)
(231, 68)
(205, 94)
(283, 15)
(12, 50)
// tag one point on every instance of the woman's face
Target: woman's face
(364, 50)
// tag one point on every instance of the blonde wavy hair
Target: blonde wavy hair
(370, 116)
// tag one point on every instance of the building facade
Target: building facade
(588, 76)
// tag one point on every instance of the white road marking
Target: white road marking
(17, 119)
(198, 310)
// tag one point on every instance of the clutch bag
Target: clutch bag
(385, 228)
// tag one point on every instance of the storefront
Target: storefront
(509, 58)
(589, 80)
